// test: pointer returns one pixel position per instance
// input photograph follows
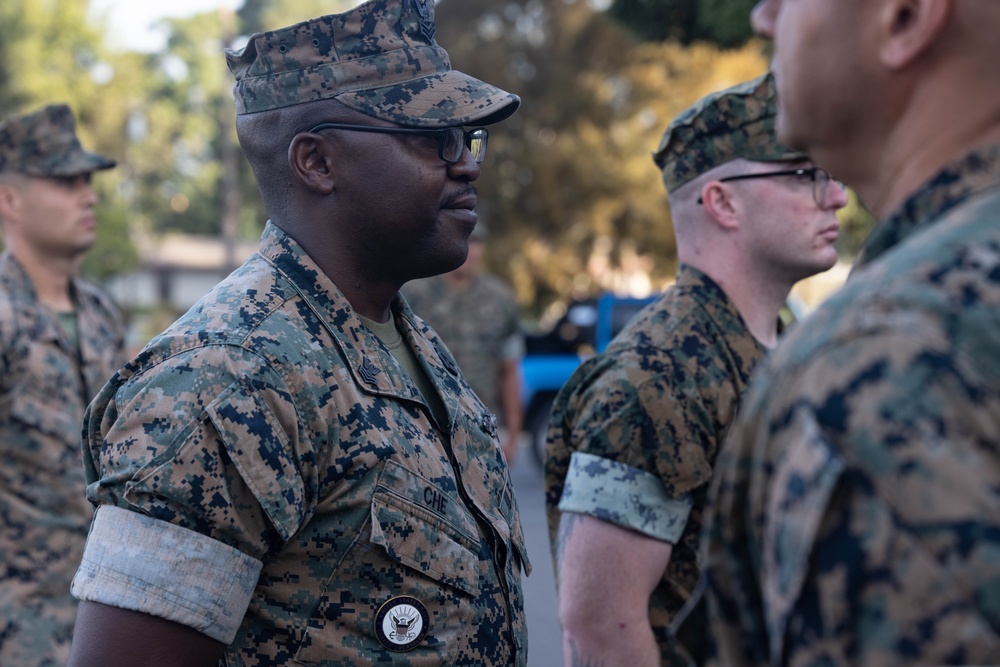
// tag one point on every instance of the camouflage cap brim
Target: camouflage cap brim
(737, 122)
(74, 164)
(44, 144)
(379, 58)
(438, 100)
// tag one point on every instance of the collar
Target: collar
(717, 306)
(15, 280)
(369, 361)
(40, 321)
(975, 173)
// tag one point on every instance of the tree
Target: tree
(50, 52)
(725, 23)
(569, 191)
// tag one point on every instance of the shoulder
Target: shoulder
(417, 291)
(94, 298)
(489, 284)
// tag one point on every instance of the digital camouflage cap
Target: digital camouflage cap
(44, 143)
(734, 123)
(379, 58)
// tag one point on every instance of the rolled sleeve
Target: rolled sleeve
(625, 496)
(135, 562)
(513, 346)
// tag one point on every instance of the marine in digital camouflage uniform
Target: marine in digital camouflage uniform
(635, 432)
(857, 516)
(60, 340)
(477, 316)
(296, 471)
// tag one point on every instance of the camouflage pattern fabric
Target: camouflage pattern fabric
(477, 323)
(857, 502)
(734, 123)
(270, 422)
(45, 385)
(379, 58)
(44, 143)
(658, 401)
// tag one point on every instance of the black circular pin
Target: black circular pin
(401, 623)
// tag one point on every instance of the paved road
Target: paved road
(544, 634)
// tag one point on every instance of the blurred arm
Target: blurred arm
(510, 401)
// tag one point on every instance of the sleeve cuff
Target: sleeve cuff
(135, 562)
(513, 347)
(625, 496)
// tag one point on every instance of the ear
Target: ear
(721, 204)
(10, 201)
(311, 160)
(910, 28)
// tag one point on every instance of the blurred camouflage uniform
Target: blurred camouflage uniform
(635, 432)
(46, 380)
(857, 516)
(286, 487)
(479, 323)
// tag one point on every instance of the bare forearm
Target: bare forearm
(606, 575)
(111, 637)
(609, 642)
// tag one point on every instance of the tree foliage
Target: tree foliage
(725, 23)
(572, 199)
(50, 52)
(570, 193)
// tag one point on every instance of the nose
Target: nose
(466, 169)
(836, 196)
(762, 18)
(88, 195)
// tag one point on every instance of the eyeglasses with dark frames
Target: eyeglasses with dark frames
(820, 178)
(451, 140)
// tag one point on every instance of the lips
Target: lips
(831, 233)
(465, 201)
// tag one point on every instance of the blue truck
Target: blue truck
(586, 328)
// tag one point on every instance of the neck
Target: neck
(368, 300)
(930, 134)
(51, 278)
(757, 297)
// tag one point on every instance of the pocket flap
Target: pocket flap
(422, 527)
(259, 449)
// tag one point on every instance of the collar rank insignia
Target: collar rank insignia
(446, 361)
(489, 424)
(368, 371)
(402, 623)
(426, 12)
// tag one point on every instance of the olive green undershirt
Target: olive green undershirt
(68, 321)
(390, 336)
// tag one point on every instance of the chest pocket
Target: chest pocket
(426, 529)
(44, 416)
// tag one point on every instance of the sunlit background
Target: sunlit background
(569, 193)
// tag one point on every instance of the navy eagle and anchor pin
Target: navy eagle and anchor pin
(401, 623)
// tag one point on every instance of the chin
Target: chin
(446, 265)
(785, 127)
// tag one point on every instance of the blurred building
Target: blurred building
(175, 270)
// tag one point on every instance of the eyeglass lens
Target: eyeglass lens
(457, 139)
(821, 185)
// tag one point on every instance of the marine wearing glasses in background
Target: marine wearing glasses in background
(636, 430)
(298, 464)
(819, 178)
